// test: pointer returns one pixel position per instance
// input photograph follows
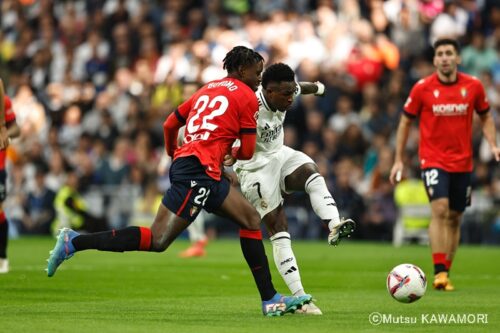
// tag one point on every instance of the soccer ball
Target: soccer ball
(406, 283)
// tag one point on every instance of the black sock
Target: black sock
(4, 236)
(255, 255)
(128, 239)
(438, 268)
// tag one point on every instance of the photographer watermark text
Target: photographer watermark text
(377, 318)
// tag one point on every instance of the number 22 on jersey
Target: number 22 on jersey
(199, 125)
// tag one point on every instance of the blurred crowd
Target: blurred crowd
(93, 81)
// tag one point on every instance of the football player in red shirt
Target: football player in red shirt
(215, 116)
(9, 129)
(445, 102)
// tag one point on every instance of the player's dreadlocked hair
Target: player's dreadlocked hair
(240, 56)
(278, 72)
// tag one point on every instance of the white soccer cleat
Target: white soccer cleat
(4, 266)
(310, 309)
(344, 229)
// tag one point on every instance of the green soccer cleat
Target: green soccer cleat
(279, 305)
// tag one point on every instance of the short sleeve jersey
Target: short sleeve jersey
(215, 116)
(270, 135)
(446, 112)
(9, 117)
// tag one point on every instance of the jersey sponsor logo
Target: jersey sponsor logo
(195, 137)
(269, 134)
(231, 86)
(463, 92)
(450, 109)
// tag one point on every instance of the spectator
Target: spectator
(38, 207)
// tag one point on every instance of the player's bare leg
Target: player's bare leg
(453, 226)
(166, 228)
(308, 179)
(439, 237)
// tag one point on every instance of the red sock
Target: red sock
(447, 264)
(145, 244)
(439, 260)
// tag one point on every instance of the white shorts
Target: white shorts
(263, 186)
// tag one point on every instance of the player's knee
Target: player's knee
(276, 222)
(440, 210)
(159, 245)
(252, 221)
(454, 218)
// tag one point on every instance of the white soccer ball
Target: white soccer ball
(406, 283)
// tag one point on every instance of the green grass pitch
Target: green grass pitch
(150, 292)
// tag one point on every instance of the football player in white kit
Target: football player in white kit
(276, 168)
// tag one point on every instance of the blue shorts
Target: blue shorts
(193, 190)
(456, 186)
(3, 186)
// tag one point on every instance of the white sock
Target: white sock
(322, 201)
(196, 229)
(286, 263)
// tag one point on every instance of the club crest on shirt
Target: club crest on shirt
(431, 191)
(436, 93)
(193, 210)
(463, 92)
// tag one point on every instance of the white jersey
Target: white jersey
(270, 136)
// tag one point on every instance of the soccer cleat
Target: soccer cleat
(442, 282)
(309, 309)
(449, 286)
(344, 229)
(62, 251)
(279, 305)
(4, 265)
(195, 250)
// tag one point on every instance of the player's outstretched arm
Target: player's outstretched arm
(489, 132)
(401, 138)
(307, 88)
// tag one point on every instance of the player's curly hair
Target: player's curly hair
(278, 72)
(240, 56)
